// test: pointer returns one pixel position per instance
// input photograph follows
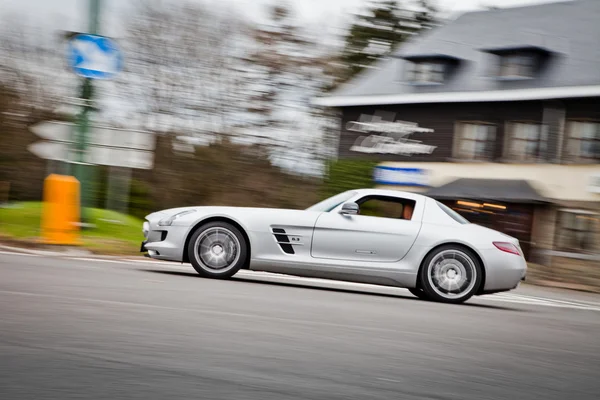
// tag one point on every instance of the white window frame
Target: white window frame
(512, 143)
(574, 142)
(459, 138)
(523, 70)
(430, 68)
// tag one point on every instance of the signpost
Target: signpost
(80, 145)
(92, 57)
(105, 146)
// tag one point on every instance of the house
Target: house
(496, 114)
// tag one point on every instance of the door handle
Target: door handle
(366, 251)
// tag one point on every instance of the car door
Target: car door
(381, 237)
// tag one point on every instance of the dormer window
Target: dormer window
(430, 69)
(521, 62)
(425, 72)
(516, 66)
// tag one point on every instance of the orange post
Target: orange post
(60, 212)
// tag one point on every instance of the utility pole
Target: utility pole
(83, 171)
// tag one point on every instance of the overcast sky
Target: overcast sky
(71, 14)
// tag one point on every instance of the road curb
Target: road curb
(68, 252)
(29, 251)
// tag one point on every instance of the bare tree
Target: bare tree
(182, 68)
(198, 72)
(32, 63)
(289, 65)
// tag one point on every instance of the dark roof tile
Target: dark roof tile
(570, 30)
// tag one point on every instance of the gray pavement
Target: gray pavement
(98, 328)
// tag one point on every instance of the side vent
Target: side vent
(283, 241)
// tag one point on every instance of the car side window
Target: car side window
(386, 207)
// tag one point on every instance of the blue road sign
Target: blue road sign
(384, 175)
(95, 57)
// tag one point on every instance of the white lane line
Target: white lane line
(261, 275)
(540, 302)
(155, 262)
(26, 251)
(388, 380)
(577, 303)
(12, 253)
(547, 299)
(513, 300)
(504, 297)
(545, 304)
(507, 298)
(97, 260)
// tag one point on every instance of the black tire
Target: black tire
(418, 293)
(217, 250)
(446, 267)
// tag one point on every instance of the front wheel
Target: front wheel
(217, 250)
(451, 274)
(418, 293)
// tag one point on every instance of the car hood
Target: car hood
(168, 212)
(204, 209)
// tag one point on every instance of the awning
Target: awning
(501, 190)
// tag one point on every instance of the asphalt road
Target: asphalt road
(98, 329)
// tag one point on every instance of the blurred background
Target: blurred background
(489, 106)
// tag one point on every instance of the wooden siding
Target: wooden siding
(442, 118)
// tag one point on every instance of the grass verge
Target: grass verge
(114, 233)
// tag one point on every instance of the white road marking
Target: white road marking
(98, 260)
(586, 303)
(153, 281)
(500, 297)
(549, 303)
(389, 380)
(513, 300)
(12, 253)
(260, 275)
(32, 252)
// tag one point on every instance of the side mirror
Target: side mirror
(350, 209)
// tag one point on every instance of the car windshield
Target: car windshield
(332, 202)
(453, 214)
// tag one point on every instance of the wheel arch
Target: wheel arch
(185, 258)
(464, 246)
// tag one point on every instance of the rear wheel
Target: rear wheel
(217, 250)
(451, 274)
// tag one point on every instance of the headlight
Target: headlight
(146, 229)
(169, 221)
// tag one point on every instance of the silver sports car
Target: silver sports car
(375, 236)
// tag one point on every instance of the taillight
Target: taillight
(507, 247)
